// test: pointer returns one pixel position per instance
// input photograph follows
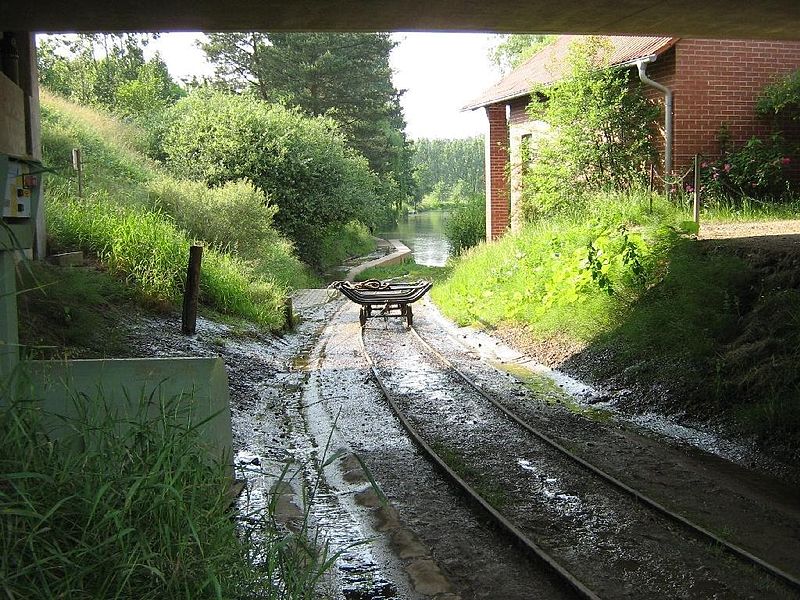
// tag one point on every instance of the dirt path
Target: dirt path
(769, 234)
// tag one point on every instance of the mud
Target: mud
(614, 545)
(306, 399)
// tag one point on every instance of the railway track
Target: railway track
(602, 537)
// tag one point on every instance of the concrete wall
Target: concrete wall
(196, 387)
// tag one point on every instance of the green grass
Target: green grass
(139, 222)
(407, 271)
(748, 209)
(71, 312)
(141, 511)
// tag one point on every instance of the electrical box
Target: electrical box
(19, 191)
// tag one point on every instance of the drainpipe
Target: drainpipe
(641, 65)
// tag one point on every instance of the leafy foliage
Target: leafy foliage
(121, 81)
(755, 170)
(514, 49)
(781, 98)
(573, 272)
(344, 76)
(140, 223)
(302, 164)
(466, 226)
(600, 138)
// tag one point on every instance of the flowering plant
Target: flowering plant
(756, 170)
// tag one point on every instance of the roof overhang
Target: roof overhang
(762, 19)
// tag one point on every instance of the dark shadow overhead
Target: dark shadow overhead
(758, 19)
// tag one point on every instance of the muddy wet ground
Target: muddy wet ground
(307, 397)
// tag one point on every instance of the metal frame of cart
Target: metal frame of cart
(383, 299)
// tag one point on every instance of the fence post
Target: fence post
(77, 164)
(696, 206)
(192, 291)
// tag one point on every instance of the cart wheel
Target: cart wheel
(362, 316)
(409, 315)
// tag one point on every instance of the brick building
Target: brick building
(707, 84)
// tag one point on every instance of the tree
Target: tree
(107, 70)
(301, 163)
(514, 49)
(601, 132)
(344, 76)
(447, 164)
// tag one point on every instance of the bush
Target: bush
(466, 226)
(302, 164)
(781, 99)
(600, 138)
(756, 170)
(140, 222)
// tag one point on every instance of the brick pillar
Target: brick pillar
(498, 204)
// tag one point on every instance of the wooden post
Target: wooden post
(192, 291)
(77, 164)
(696, 206)
(288, 313)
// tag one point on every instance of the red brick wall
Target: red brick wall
(519, 110)
(498, 194)
(717, 82)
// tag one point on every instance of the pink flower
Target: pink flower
(689, 188)
(786, 160)
(703, 165)
(727, 167)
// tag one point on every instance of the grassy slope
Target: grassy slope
(116, 220)
(711, 332)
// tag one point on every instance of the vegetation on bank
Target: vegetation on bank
(139, 222)
(142, 511)
(634, 301)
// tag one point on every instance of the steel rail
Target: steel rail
(738, 551)
(521, 538)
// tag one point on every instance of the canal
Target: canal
(424, 234)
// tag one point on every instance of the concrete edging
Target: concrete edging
(400, 254)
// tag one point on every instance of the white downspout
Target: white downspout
(642, 67)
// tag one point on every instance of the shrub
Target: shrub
(755, 170)
(466, 226)
(600, 138)
(302, 164)
(781, 98)
(235, 217)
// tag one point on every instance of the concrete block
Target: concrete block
(197, 389)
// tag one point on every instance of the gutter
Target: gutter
(641, 65)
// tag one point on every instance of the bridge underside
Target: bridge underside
(762, 19)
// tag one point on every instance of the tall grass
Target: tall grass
(133, 508)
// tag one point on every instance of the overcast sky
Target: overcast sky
(440, 72)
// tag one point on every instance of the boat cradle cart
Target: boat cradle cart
(382, 298)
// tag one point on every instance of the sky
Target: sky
(441, 72)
